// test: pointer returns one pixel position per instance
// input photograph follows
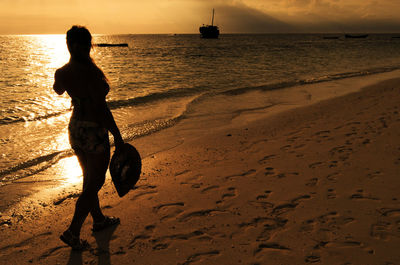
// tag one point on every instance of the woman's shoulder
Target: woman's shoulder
(63, 71)
(68, 67)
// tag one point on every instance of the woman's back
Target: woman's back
(87, 87)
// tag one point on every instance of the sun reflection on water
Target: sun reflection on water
(48, 52)
(56, 49)
(71, 171)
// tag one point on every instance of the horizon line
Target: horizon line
(195, 33)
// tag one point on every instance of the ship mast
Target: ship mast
(212, 22)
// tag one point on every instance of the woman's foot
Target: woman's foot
(107, 222)
(74, 241)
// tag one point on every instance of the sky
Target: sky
(185, 16)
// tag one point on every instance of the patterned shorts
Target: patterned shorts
(88, 136)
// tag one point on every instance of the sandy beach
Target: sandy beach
(316, 184)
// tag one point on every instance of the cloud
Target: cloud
(184, 16)
(240, 18)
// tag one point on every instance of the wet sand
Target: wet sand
(317, 184)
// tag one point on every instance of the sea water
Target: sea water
(158, 80)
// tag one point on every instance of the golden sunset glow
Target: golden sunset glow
(178, 16)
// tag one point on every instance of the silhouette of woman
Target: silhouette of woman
(88, 129)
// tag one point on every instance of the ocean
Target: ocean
(160, 80)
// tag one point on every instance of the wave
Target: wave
(33, 166)
(191, 91)
(115, 104)
(130, 132)
(327, 78)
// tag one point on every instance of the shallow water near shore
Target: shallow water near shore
(160, 80)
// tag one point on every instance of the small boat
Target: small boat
(209, 31)
(111, 45)
(362, 36)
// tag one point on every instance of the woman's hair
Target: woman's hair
(79, 34)
(79, 42)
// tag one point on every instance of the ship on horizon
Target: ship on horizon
(209, 31)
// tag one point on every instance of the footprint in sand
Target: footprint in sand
(374, 174)
(366, 141)
(143, 194)
(266, 158)
(283, 208)
(331, 194)
(200, 213)
(139, 240)
(264, 195)
(161, 246)
(209, 188)
(388, 224)
(231, 192)
(338, 150)
(381, 230)
(169, 210)
(314, 165)
(347, 124)
(307, 226)
(245, 174)
(194, 182)
(182, 173)
(332, 220)
(312, 182)
(286, 147)
(359, 195)
(350, 134)
(299, 146)
(292, 139)
(333, 164)
(312, 259)
(271, 247)
(269, 171)
(332, 177)
(321, 136)
(203, 257)
(261, 201)
(163, 242)
(269, 227)
(150, 228)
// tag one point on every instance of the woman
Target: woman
(88, 130)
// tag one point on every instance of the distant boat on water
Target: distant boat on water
(111, 45)
(209, 31)
(361, 36)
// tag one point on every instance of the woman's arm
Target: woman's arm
(113, 128)
(107, 120)
(57, 86)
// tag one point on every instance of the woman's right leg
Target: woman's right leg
(94, 167)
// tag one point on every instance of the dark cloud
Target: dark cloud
(241, 18)
(358, 25)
